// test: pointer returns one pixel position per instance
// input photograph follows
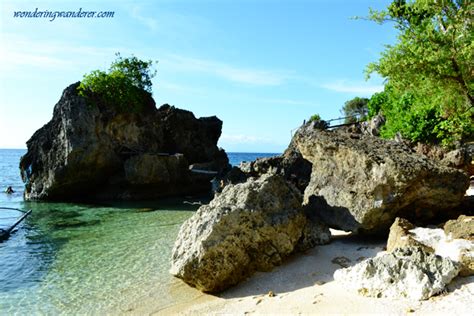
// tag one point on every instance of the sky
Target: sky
(261, 66)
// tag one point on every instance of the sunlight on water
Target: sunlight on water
(85, 259)
(79, 259)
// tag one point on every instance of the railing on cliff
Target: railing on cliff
(328, 122)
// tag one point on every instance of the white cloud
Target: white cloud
(345, 86)
(225, 71)
(17, 52)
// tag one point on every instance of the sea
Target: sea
(89, 259)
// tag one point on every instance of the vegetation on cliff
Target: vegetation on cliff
(124, 86)
(429, 93)
(355, 110)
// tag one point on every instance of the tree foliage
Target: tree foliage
(124, 86)
(315, 117)
(355, 110)
(429, 95)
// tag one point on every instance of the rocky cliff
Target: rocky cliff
(90, 152)
(360, 183)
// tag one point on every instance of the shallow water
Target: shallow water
(87, 259)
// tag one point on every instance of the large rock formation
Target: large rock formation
(405, 273)
(360, 183)
(250, 226)
(98, 152)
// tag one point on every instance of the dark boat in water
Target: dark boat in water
(5, 233)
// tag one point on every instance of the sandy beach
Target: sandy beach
(304, 285)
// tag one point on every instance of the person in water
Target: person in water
(9, 190)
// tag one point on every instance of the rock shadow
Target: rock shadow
(314, 267)
(334, 216)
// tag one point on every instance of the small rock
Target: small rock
(435, 240)
(400, 236)
(271, 294)
(462, 227)
(342, 261)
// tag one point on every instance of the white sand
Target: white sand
(304, 285)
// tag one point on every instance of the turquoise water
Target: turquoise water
(88, 259)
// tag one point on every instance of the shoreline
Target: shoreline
(304, 285)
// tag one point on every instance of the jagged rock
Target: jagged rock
(249, 227)
(291, 165)
(405, 273)
(95, 151)
(154, 169)
(361, 183)
(314, 232)
(458, 158)
(372, 126)
(462, 227)
(400, 236)
(435, 240)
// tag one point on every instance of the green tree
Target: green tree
(139, 72)
(125, 86)
(355, 110)
(429, 70)
(315, 117)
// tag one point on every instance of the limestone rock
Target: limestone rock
(291, 165)
(373, 126)
(314, 232)
(405, 273)
(458, 250)
(458, 158)
(153, 169)
(100, 152)
(462, 227)
(400, 236)
(251, 226)
(435, 240)
(360, 183)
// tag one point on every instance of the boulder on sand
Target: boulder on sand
(96, 151)
(407, 272)
(454, 242)
(360, 183)
(250, 226)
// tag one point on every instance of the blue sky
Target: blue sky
(260, 66)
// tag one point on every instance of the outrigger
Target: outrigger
(5, 233)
